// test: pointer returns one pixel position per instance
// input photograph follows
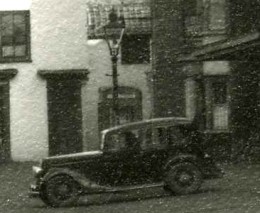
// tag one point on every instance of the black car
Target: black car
(149, 153)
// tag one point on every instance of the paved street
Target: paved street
(239, 191)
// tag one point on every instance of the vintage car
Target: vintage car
(158, 152)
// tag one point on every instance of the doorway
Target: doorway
(65, 116)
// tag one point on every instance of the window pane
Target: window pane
(7, 25)
(20, 39)
(19, 19)
(19, 29)
(7, 40)
(220, 117)
(8, 51)
(217, 14)
(20, 50)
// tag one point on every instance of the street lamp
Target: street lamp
(114, 32)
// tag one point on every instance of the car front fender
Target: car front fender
(180, 159)
(84, 182)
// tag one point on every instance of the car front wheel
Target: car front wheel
(60, 190)
(183, 178)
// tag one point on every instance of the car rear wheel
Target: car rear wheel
(183, 178)
(60, 190)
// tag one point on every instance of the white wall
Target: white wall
(58, 41)
(99, 66)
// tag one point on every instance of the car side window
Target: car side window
(114, 142)
(155, 137)
(127, 140)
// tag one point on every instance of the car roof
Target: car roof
(155, 123)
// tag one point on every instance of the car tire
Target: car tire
(60, 190)
(183, 178)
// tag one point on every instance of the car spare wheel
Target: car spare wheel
(183, 178)
(60, 190)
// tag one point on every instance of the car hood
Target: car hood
(70, 158)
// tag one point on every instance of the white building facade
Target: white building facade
(52, 78)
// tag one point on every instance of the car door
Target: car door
(154, 153)
(120, 164)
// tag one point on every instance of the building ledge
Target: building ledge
(7, 73)
(81, 74)
(241, 48)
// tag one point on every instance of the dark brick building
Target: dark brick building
(205, 62)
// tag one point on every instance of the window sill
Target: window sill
(15, 61)
(217, 131)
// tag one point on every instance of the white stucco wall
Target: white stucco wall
(58, 41)
(100, 65)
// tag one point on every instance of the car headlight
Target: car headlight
(37, 171)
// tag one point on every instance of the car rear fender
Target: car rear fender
(79, 178)
(180, 159)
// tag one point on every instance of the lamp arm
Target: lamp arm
(107, 41)
(121, 36)
(119, 41)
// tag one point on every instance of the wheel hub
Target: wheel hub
(185, 178)
(63, 189)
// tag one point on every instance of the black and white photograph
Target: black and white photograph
(130, 106)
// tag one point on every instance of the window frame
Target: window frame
(27, 57)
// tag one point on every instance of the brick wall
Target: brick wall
(167, 40)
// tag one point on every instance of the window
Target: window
(15, 36)
(135, 49)
(217, 104)
(217, 15)
(191, 17)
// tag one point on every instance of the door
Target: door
(4, 122)
(65, 116)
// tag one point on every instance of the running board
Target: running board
(129, 188)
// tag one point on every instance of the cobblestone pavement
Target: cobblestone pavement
(238, 191)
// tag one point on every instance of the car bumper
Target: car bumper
(34, 191)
